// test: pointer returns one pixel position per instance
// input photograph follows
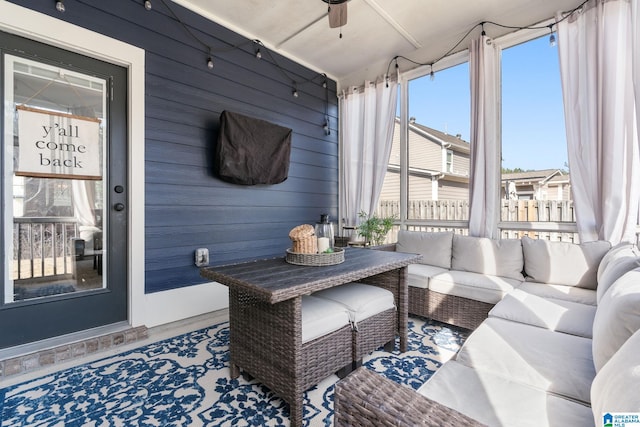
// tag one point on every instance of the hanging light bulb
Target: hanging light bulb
(432, 75)
(148, 5)
(324, 83)
(325, 127)
(552, 37)
(295, 92)
(60, 6)
(258, 53)
(210, 63)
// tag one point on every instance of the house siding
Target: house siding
(450, 190)
(186, 205)
(461, 163)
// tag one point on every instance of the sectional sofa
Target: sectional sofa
(554, 339)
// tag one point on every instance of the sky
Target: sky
(533, 131)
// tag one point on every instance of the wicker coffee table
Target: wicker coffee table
(265, 315)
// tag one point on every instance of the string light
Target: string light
(258, 53)
(60, 6)
(552, 37)
(148, 5)
(432, 75)
(325, 127)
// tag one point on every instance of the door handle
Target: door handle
(119, 207)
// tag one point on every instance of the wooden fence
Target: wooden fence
(527, 211)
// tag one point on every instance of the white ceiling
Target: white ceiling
(376, 31)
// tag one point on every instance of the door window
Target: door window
(53, 174)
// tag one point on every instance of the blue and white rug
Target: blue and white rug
(184, 381)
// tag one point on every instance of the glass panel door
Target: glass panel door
(64, 174)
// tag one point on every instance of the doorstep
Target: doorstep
(32, 360)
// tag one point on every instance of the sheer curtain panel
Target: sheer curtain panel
(484, 182)
(596, 65)
(635, 28)
(367, 118)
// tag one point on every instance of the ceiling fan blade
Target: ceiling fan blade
(337, 15)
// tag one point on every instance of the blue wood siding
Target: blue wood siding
(186, 206)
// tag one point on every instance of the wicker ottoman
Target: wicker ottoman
(373, 314)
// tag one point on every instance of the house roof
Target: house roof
(456, 142)
(536, 175)
(542, 175)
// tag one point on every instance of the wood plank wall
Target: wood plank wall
(187, 207)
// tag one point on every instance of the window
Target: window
(437, 150)
(535, 184)
(435, 141)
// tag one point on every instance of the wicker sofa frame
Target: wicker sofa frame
(365, 398)
(451, 309)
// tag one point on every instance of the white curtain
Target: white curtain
(484, 187)
(595, 48)
(635, 28)
(84, 195)
(367, 118)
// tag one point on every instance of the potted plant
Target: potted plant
(374, 229)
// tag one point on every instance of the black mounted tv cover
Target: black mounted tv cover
(252, 151)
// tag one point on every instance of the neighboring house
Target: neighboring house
(438, 165)
(546, 184)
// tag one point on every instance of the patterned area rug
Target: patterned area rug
(185, 381)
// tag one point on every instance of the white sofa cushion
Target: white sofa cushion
(475, 286)
(621, 249)
(615, 388)
(616, 263)
(418, 275)
(563, 263)
(550, 313)
(321, 317)
(617, 318)
(435, 247)
(487, 256)
(361, 300)
(552, 361)
(562, 292)
(497, 401)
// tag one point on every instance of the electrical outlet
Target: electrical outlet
(202, 257)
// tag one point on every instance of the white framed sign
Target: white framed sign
(58, 145)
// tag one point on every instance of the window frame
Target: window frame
(448, 163)
(503, 42)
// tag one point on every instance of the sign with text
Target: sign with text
(58, 145)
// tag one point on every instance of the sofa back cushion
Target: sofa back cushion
(563, 263)
(617, 317)
(614, 388)
(435, 248)
(487, 256)
(614, 264)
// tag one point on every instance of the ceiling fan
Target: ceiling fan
(337, 13)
